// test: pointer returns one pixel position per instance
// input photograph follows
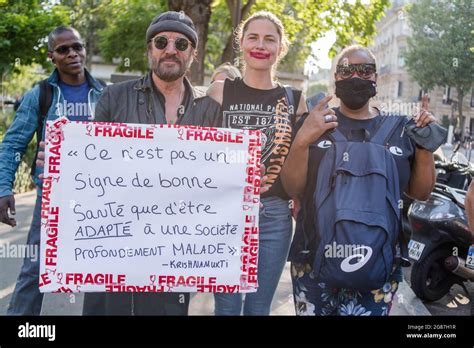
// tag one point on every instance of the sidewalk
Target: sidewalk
(406, 303)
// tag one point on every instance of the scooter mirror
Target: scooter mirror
(459, 158)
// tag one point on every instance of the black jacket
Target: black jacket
(134, 102)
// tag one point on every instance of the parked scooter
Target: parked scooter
(440, 236)
(455, 173)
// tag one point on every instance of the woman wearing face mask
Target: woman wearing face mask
(411, 171)
(257, 101)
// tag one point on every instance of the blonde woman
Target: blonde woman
(257, 101)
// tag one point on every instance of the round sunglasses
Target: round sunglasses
(364, 71)
(180, 43)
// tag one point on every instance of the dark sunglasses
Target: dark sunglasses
(180, 43)
(364, 71)
(78, 47)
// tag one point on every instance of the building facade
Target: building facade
(397, 91)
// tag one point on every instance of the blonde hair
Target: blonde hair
(242, 28)
(231, 71)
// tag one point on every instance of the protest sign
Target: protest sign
(149, 208)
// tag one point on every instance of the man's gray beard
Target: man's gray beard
(169, 75)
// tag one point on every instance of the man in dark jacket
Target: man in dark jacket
(162, 96)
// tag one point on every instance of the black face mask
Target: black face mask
(355, 92)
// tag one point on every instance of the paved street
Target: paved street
(456, 303)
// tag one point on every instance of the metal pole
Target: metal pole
(470, 150)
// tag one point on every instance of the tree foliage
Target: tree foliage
(88, 17)
(200, 13)
(305, 21)
(439, 50)
(123, 36)
(24, 25)
(116, 28)
(22, 79)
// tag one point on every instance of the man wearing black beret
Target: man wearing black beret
(163, 96)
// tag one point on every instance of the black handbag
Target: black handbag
(430, 137)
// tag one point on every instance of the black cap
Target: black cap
(173, 21)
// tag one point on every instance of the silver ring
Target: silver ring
(327, 118)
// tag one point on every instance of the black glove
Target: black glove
(429, 137)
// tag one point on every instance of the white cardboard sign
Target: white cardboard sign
(149, 208)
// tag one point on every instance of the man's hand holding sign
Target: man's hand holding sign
(149, 208)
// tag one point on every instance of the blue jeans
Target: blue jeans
(26, 298)
(274, 242)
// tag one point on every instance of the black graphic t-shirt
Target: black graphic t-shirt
(400, 146)
(245, 107)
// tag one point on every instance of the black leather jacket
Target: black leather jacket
(133, 102)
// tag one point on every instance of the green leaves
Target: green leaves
(123, 36)
(24, 26)
(439, 51)
(22, 79)
(305, 21)
(115, 29)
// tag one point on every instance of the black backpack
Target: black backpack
(45, 100)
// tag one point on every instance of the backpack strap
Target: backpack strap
(386, 129)
(290, 98)
(45, 99)
(383, 134)
(336, 135)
